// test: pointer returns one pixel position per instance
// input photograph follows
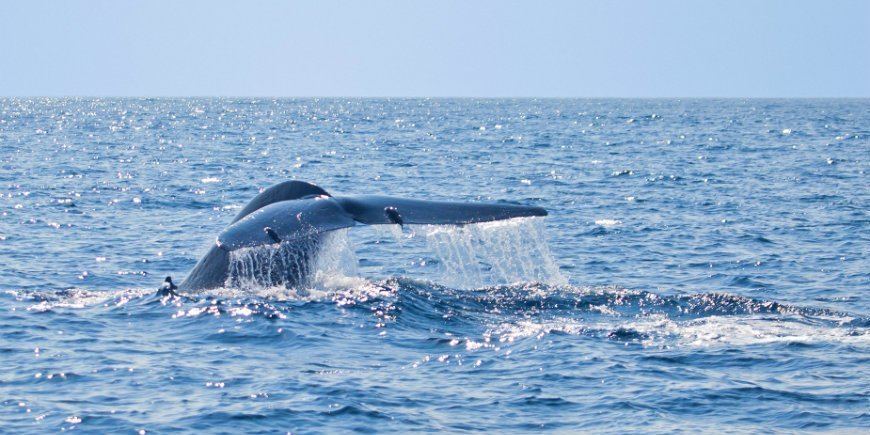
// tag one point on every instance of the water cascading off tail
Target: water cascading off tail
(298, 264)
(493, 253)
(469, 256)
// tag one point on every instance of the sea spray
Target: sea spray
(293, 264)
(469, 256)
(493, 253)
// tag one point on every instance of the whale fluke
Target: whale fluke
(299, 212)
(284, 191)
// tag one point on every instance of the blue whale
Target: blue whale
(296, 215)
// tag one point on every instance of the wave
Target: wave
(491, 317)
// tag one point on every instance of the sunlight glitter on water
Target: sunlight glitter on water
(675, 322)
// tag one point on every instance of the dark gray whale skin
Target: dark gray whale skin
(296, 210)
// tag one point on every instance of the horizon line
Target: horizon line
(421, 97)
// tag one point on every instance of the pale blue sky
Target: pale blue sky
(690, 48)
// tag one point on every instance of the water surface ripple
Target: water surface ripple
(704, 267)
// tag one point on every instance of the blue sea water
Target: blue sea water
(704, 267)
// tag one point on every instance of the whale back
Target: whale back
(284, 191)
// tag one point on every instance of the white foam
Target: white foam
(81, 298)
(744, 331)
(714, 331)
(608, 222)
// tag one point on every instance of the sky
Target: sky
(445, 48)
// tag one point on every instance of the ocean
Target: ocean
(704, 267)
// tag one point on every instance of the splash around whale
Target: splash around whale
(290, 219)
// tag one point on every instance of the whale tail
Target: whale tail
(295, 211)
(284, 191)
